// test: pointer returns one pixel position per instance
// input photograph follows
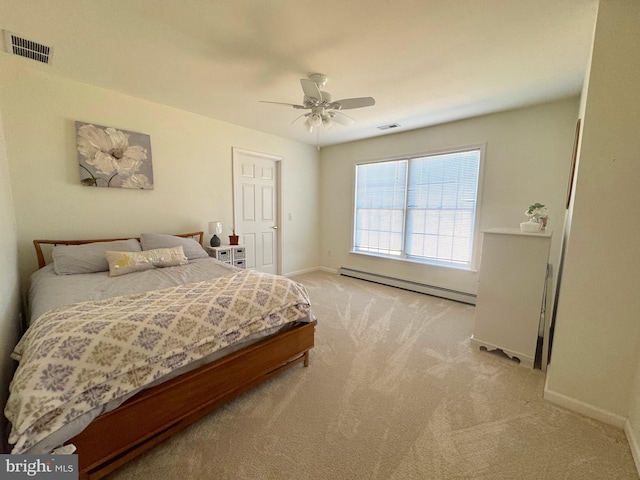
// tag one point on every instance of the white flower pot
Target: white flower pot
(530, 226)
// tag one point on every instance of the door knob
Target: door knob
(275, 227)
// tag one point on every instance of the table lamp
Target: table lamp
(216, 229)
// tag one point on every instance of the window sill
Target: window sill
(414, 261)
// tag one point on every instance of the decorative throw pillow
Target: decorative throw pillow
(89, 257)
(192, 249)
(121, 263)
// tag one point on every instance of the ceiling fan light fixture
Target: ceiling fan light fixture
(308, 125)
(327, 121)
(315, 119)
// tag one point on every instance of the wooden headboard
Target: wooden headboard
(38, 244)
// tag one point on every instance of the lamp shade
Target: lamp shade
(215, 227)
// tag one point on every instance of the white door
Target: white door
(255, 206)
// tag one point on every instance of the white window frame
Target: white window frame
(472, 265)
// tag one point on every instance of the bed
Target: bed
(192, 333)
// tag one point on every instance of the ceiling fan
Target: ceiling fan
(323, 110)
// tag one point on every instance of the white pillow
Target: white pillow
(121, 263)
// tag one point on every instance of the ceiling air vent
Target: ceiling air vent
(389, 126)
(22, 47)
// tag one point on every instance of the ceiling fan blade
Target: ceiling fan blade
(310, 89)
(283, 103)
(348, 103)
(342, 119)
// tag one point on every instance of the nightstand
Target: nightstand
(232, 254)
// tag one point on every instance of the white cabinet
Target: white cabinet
(509, 305)
(232, 254)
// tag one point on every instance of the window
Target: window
(421, 209)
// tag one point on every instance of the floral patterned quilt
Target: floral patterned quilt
(77, 357)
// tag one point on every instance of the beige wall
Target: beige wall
(594, 365)
(191, 165)
(9, 284)
(528, 156)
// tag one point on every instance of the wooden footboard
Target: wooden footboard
(155, 414)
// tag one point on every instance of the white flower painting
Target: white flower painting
(114, 158)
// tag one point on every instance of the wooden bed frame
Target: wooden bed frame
(155, 414)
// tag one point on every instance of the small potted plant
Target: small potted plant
(538, 216)
(233, 238)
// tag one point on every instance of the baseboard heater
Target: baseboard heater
(447, 293)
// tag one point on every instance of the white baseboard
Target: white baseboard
(311, 269)
(583, 408)
(328, 270)
(633, 444)
(436, 291)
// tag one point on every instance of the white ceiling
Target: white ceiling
(424, 61)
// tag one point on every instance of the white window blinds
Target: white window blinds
(422, 208)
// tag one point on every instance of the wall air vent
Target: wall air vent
(389, 126)
(17, 45)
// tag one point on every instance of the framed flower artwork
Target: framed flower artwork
(109, 157)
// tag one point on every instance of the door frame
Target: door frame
(278, 161)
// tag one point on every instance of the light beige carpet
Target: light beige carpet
(394, 391)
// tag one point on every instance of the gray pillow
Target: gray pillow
(89, 257)
(192, 249)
